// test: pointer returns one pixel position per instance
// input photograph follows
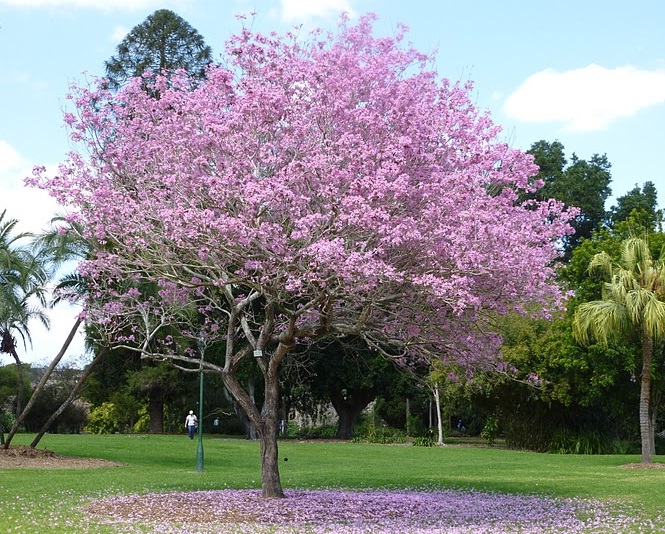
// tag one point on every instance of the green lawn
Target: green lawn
(47, 500)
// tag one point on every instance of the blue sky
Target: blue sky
(588, 73)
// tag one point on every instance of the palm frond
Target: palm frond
(600, 320)
(654, 318)
(61, 243)
(633, 296)
(70, 287)
(601, 263)
(636, 256)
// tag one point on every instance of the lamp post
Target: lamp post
(199, 448)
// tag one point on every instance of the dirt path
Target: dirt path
(21, 456)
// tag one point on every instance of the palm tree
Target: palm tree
(53, 248)
(633, 302)
(22, 294)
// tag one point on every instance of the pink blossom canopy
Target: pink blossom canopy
(337, 177)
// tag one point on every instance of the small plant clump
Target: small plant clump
(423, 441)
(370, 433)
(491, 430)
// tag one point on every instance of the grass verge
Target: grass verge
(49, 500)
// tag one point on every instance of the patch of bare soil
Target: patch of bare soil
(643, 466)
(22, 456)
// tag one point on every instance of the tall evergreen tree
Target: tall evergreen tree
(583, 184)
(163, 43)
(641, 205)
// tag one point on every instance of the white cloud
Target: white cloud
(586, 99)
(33, 208)
(10, 159)
(293, 10)
(105, 5)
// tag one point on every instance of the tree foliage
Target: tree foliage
(162, 44)
(633, 304)
(640, 205)
(582, 184)
(22, 295)
(343, 372)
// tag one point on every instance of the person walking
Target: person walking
(191, 424)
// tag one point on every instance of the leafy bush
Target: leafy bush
(629, 447)
(491, 429)
(103, 419)
(423, 441)
(143, 424)
(369, 433)
(6, 419)
(315, 432)
(586, 441)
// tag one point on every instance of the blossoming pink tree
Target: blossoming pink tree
(310, 188)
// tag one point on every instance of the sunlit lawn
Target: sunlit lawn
(49, 500)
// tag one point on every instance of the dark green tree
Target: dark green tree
(52, 396)
(558, 387)
(158, 383)
(583, 184)
(640, 205)
(345, 373)
(162, 44)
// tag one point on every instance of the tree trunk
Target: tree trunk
(156, 411)
(42, 383)
(652, 428)
(19, 393)
(250, 431)
(646, 429)
(271, 485)
(346, 423)
(250, 427)
(72, 395)
(439, 423)
(349, 406)
(265, 423)
(408, 418)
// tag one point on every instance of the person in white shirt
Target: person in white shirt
(191, 424)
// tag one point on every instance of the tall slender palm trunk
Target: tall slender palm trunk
(645, 400)
(19, 392)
